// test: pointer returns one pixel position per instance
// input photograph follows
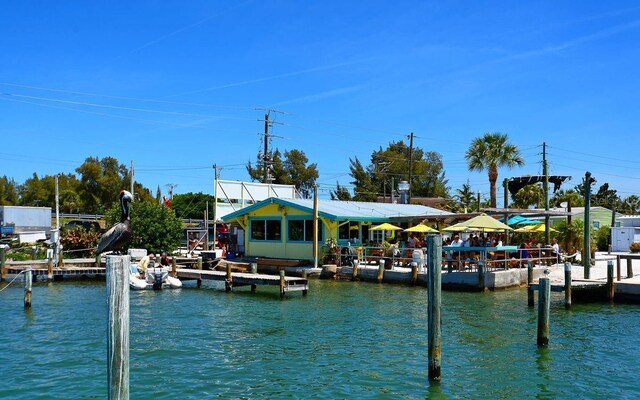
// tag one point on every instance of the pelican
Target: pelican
(118, 237)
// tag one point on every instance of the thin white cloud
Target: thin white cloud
(269, 78)
(322, 95)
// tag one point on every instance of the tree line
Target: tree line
(92, 187)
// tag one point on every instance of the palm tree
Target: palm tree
(465, 196)
(490, 152)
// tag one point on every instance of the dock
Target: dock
(232, 279)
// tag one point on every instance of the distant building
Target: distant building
(598, 216)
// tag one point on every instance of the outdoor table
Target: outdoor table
(481, 250)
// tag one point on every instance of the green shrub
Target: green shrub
(603, 236)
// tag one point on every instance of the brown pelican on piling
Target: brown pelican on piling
(119, 236)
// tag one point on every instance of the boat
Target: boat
(156, 277)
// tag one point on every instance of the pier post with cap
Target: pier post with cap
(28, 280)
(567, 285)
(381, 270)
(117, 269)
(544, 297)
(610, 286)
(434, 304)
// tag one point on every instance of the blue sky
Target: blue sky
(176, 86)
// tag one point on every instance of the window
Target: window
(301, 230)
(349, 230)
(596, 224)
(265, 229)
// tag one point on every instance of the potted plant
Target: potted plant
(331, 252)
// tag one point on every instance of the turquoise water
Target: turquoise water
(344, 340)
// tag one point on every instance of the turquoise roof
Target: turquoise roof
(348, 210)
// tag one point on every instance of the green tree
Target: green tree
(490, 152)
(427, 177)
(9, 195)
(192, 205)
(466, 197)
(569, 196)
(100, 181)
(70, 201)
(155, 227)
(293, 170)
(605, 197)
(630, 205)
(364, 188)
(32, 192)
(341, 193)
(529, 195)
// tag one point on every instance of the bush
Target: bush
(155, 227)
(635, 247)
(79, 242)
(603, 236)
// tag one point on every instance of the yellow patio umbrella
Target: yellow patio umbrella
(535, 228)
(385, 227)
(421, 228)
(480, 222)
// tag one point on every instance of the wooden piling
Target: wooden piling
(481, 276)
(544, 297)
(618, 271)
(50, 269)
(3, 271)
(228, 283)
(60, 257)
(117, 269)
(199, 281)
(27, 279)
(414, 273)
(610, 287)
(254, 270)
(434, 303)
(629, 268)
(381, 270)
(282, 283)
(174, 267)
(567, 285)
(34, 253)
(354, 270)
(530, 300)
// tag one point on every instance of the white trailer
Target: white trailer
(26, 219)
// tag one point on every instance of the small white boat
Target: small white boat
(154, 278)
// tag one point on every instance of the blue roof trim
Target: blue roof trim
(346, 210)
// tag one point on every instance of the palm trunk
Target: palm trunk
(493, 178)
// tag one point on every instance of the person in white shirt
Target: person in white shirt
(456, 241)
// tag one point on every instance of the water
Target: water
(344, 340)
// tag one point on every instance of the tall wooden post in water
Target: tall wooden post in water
(118, 327)
(567, 285)
(434, 303)
(28, 279)
(544, 297)
(3, 273)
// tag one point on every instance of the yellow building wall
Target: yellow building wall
(283, 249)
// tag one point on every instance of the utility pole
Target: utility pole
(586, 251)
(410, 165)
(266, 156)
(545, 188)
(132, 192)
(216, 176)
(478, 201)
(171, 186)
